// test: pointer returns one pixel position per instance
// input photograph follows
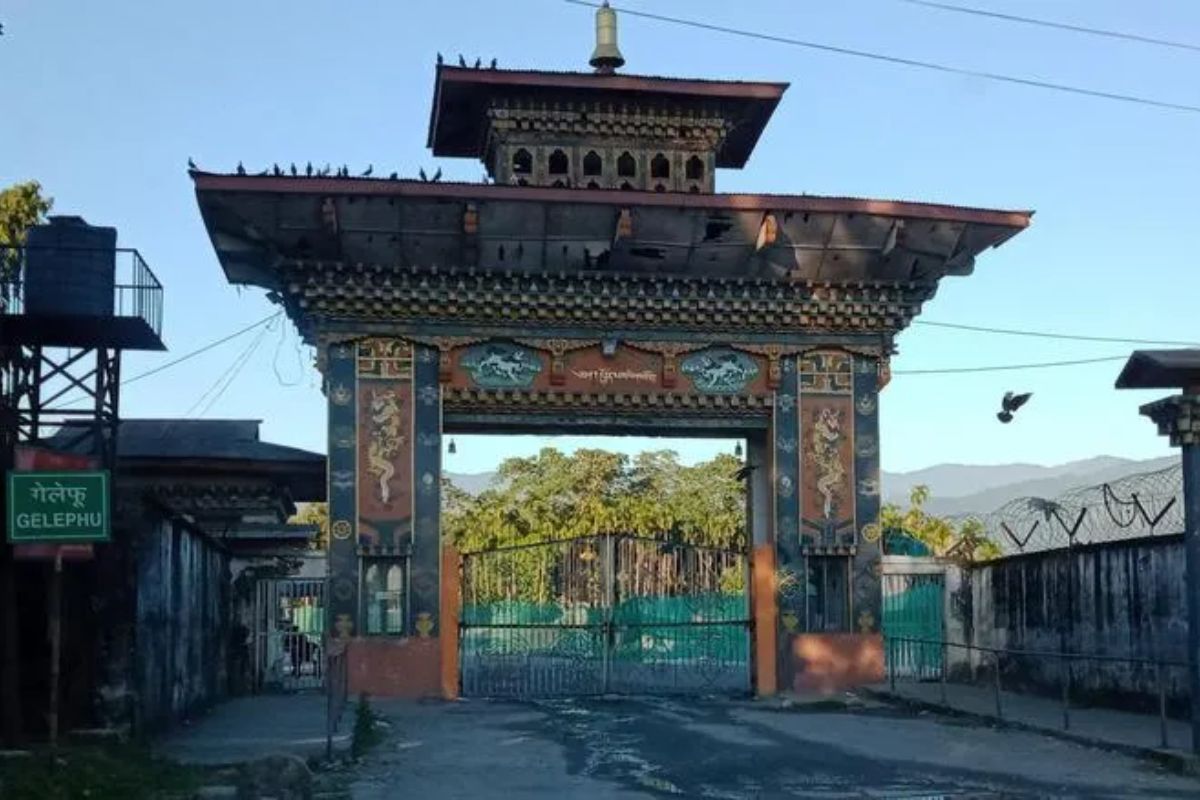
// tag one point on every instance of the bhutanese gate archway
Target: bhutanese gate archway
(597, 283)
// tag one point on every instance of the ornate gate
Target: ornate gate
(289, 632)
(600, 614)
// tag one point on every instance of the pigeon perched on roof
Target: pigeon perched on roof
(1010, 404)
(492, 65)
(422, 175)
(308, 169)
(191, 164)
(440, 60)
(478, 63)
(395, 176)
(367, 172)
(293, 169)
(462, 62)
(240, 169)
(437, 175)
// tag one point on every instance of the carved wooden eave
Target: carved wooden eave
(519, 401)
(336, 291)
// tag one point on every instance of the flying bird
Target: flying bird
(421, 173)
(462, 62)
(240, 169)
(191, 164)
(437, 175)
(1010, 404)
(367, 172)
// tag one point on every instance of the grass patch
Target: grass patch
(122, 772)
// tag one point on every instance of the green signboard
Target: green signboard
(48, 507)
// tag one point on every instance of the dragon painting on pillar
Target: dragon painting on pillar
(827, 454)
(385, 447)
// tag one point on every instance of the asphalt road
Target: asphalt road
(649, 747)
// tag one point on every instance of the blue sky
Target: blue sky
(104, 103)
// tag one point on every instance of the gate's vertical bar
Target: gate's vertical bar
(945, 666)
(608, 574)
(996, 662)
(891, 651)
(1065, 672)
(1162, 705)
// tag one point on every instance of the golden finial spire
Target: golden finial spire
(607, 56)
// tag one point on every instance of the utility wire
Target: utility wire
(1008, 367)
(223, 380)
(234, 370)
(1045, 23)
(203, 349)
(1052, 335)
(187, 356)
(908, 62)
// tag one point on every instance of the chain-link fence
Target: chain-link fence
(1146, 504)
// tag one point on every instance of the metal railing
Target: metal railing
(337, 684)
(928, 660)
(137, 293)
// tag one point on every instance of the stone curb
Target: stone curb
(1176, 760)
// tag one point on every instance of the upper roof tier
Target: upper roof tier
(474, 109)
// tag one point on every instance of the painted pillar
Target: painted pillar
(789, 568)
(865, 587)
(341, 394)
(425, 564)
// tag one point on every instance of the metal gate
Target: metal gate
(913, 623)
(593, 615)
(290, 626)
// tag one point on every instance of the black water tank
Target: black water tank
(70, 268)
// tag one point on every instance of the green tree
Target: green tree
(553, 496)
(966, 541)
(22, 206)
(314, 514)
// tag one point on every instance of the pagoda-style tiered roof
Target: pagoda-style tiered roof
(259, 222)
(597, 104)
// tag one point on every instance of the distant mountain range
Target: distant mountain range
(965, 488)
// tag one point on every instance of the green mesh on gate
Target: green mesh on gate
(645, 629)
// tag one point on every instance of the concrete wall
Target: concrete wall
(182, 632)
(1118, 598)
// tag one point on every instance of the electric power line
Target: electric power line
(1052, 335)
(203, 349)
(1008, 367)
(224, 380)
(187, 356)
(908, 62)
(1045, 23)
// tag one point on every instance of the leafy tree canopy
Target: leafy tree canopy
(314, 514)
(966, 540)
(554, 496)
(22, 206)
